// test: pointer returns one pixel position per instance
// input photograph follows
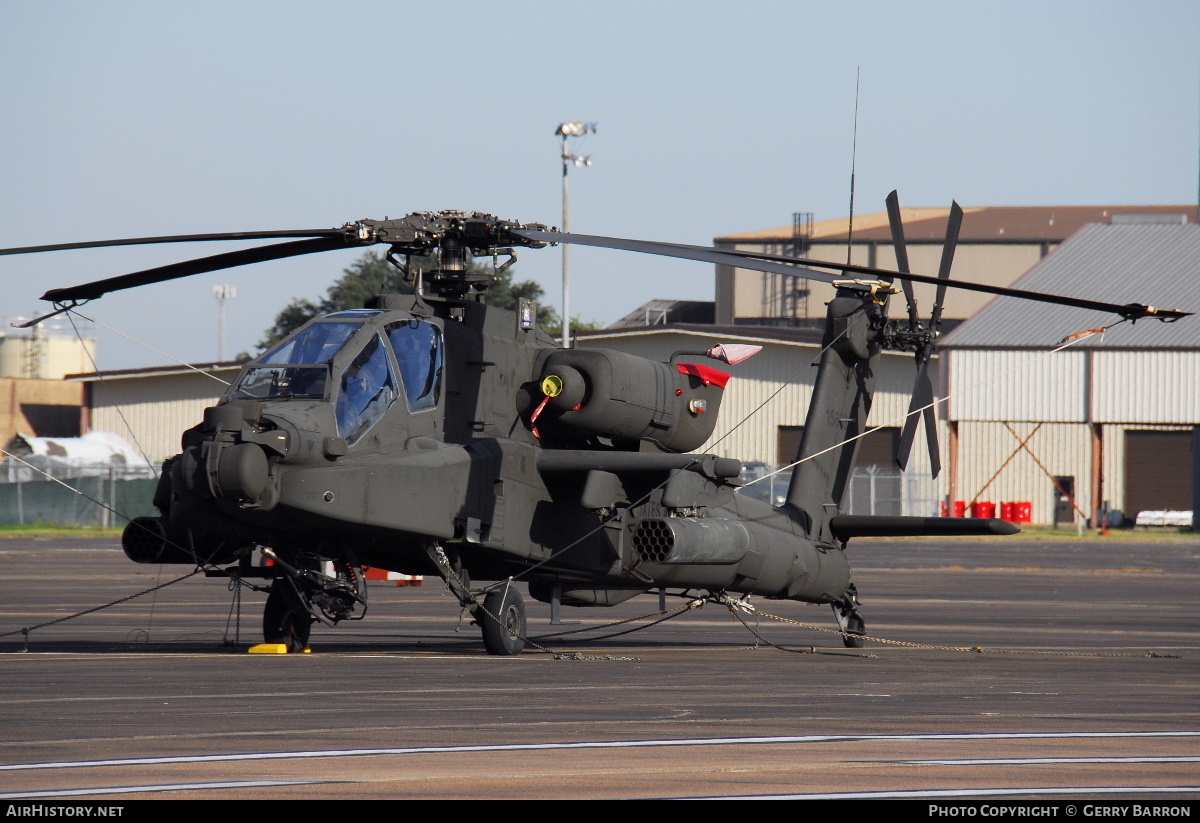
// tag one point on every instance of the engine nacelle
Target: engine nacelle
(625, 397)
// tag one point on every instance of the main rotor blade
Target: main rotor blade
(897, 226)
(175, 238)
(800, 267)
(704, 254)
(953, 226)
(1130, 311)
(173, 271)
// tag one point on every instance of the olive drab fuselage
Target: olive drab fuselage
(380, 430)
(433, 434)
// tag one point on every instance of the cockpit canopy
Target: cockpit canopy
(362, 390)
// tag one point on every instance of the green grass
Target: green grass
(1152, 535)
(1065, 535)
(49, 530)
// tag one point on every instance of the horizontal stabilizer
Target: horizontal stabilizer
(845, 526)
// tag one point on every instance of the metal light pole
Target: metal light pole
(222, 292)
(565, 130)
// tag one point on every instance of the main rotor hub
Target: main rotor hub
(452, 235)
(423, 232)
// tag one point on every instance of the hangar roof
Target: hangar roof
(981, 224)
(1135, 262)
(157, 371)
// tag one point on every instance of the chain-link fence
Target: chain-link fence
(887, 491)
(872, 490)
(48, 490)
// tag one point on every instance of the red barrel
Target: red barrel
(1024, 512)
(960, 508)
(1008, 511)
(983, 508)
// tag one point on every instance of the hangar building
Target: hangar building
(1113, 415)
(997, 244)
(152, 407)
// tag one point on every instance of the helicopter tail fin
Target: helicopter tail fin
(841, 400)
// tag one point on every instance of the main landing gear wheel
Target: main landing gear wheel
(285, 621)
(506, 637)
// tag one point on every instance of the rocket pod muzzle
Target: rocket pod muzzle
(153, 540)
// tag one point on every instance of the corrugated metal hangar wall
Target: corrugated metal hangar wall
(1115, 411)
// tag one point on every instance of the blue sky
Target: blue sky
(141, 118)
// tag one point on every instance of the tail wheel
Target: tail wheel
(284, 619)
(854, 631)
(503, 621)
(850, 622)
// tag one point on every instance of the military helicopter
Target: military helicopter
(433, 434)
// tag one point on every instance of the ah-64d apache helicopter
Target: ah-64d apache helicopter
(431, 433)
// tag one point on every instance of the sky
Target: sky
(129, 118)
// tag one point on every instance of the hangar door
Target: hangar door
(876, 449)
(1158, 471)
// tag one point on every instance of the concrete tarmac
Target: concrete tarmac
(1014, 669)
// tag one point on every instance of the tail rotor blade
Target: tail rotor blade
(901, 247)
(909, 431)
(953, 226)
(897, 226)
(931, 439)
(921, 406)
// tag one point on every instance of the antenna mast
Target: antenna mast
(853, 163)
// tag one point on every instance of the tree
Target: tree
(554, 328)
(372, 273)
(504, 294)
(361, 281)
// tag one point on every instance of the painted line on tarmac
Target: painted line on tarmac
(1038, 761)
(1004, 792)
(164, 787)
(608, 744)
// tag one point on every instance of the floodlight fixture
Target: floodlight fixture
(565, 130)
